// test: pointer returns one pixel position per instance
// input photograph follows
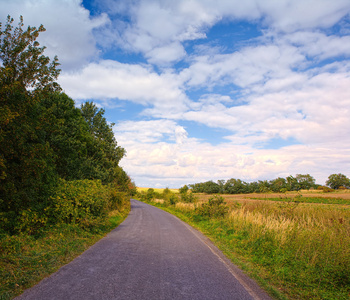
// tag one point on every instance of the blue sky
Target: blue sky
(208, 89)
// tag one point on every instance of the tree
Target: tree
(278, 184)
(293, 184)
(335, 181)
(27, 172)
(183, 189)
(104, 153)
(65, 129)
(210, 187)
(305, 181)
(221, 184)
(235, 186)
(23, 61)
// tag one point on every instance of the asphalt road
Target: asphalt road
(151, 255)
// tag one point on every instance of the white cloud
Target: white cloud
(159, 24)
(169, 53)
(283, 84)
(149, 131)
(292, 15)
(249, 66)
(313, 111)
(191, 161)
(318, 45)
(69, 27)
(109, 80)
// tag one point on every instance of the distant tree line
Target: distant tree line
(291, 183)
(44, 139)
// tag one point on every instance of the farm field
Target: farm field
(315, 197)
(297, 245)
(140, 189)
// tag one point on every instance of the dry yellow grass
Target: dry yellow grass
(160, 201)
(186, 207)
(144, 189)
(302, 248)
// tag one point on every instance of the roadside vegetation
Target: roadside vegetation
(61, 186)
(296, 244)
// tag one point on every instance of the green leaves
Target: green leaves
(103, 149)
(23, 60)
(44, 137)
(215, 208)
(335, 181)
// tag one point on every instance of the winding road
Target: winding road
(151, 255)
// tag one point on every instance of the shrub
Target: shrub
(214, 208)
(117, 200)
(79, 201)
(173, 199)
(188, 197)
(326, 189)
(150, 195)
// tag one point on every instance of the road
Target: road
(151, 255)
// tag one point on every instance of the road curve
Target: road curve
(151, 255)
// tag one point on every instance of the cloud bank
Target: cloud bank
(259, 104)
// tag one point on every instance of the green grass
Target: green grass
(294, 252)
(26, 259)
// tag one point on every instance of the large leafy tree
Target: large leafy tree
(64, 127)
(104, 153)
(26, 159)
(43, 136)
(306, 181)
(335, 181)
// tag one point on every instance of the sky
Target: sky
(208, 89)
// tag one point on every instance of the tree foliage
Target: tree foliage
(335, 181)
(44, 138)
(103, 150)
(238, 186)
(26, 159)
(23, 61)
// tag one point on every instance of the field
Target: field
(297, 245)
(319, 196)
(140, 189)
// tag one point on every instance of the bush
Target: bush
(326, 189)
(79, 201)
(173, 199)
(188, 197)
(117, 200)
(214, 208)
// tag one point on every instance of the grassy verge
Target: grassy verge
(26, 259)
(294, 252)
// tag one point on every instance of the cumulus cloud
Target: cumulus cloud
(149, 131)
(109, 80)
(290, 83)
(69, 27)
(175, 164)
(158, 25)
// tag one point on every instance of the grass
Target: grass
(295, 250)
(320, 200)
(26, 259)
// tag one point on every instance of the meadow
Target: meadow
(297, 245)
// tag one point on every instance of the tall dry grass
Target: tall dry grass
(302, 248)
